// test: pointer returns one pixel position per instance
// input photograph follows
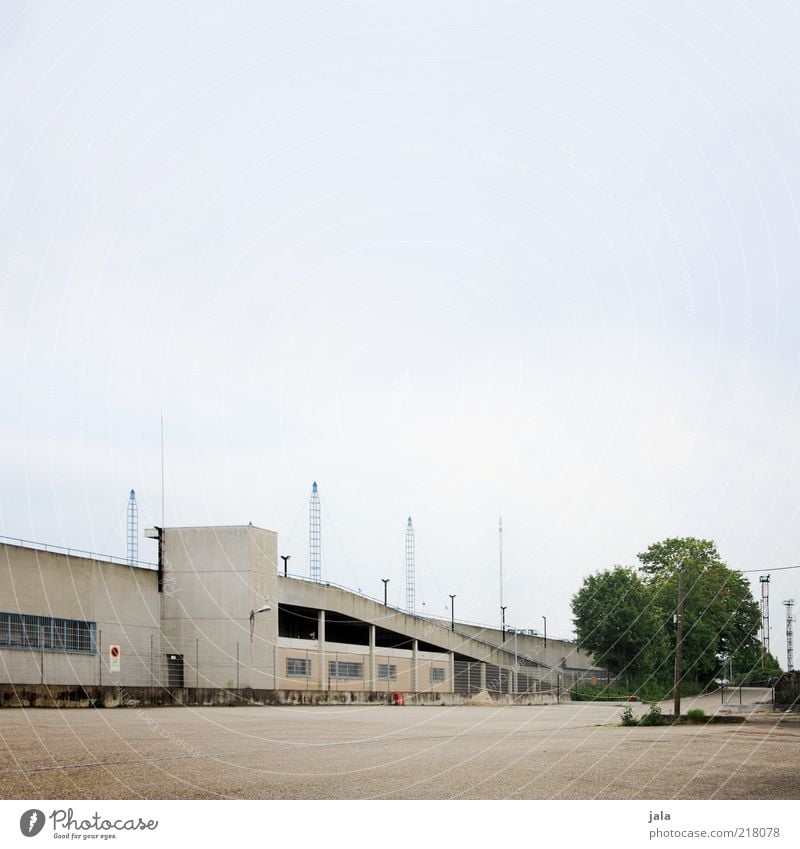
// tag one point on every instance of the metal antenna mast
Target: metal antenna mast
(410, 578)
(789, 603)
(502, 609)
(133, 530)
(764, 580)
(314, 536)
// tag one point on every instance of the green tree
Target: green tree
(721, 617)
(617, 623)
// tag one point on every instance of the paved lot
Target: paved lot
(570, 751)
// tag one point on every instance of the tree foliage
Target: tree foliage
(616, 623)
(626, 619)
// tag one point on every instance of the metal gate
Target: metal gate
(175, 670)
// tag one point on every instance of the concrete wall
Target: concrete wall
(411, 673)
(214, 577)
(122, 601)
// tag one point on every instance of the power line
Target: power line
(776, 569)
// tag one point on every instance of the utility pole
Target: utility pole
(452, 612)
(285, 558)
(676, 709)
(385, 591)
(503, 620)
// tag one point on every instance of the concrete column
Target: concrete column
(414, 671)
(483, 676)
(372, 669)
(510, 673)
(323, 666)
(452, 672)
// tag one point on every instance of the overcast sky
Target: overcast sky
(450, 260)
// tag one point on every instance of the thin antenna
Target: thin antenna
(500, 535)
(410, 569)
(789, 603)
(314, 536)
(162, 468)
(133, 530)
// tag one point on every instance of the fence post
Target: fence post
(196, 663)
(237, 665)
(152, 664)
(41, 651)
(100, 657)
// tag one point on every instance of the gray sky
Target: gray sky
(452, 260)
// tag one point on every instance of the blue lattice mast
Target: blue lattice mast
(410, 569)
(314, 536)
(133, 529)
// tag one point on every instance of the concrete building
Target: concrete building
(214, 614)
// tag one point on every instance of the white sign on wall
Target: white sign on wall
(113, 658)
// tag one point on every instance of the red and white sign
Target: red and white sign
(113, 658)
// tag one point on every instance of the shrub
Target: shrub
(628, 717)
(653, 716)
(696, 715)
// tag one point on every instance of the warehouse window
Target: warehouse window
(298, 667)
(345, 669)
(437, 675)
(23, 631)
(387, 672)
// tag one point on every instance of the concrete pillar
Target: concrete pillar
(483, 676)
(323, 666)
(414, 671)
(452, 672)
(372, 670)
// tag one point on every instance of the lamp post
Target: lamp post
(545, 640)
(263, 609)
(385, 591)
(503, 619)
(452, 612)
(285, 558)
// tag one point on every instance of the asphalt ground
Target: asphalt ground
(568, 751)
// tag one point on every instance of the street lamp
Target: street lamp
(285, 558)
(503, 612)
(385, 591)
(452, 613)
(263, 609)
(545, 640)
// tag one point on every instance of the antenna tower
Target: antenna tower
(764, 580)
(133, 529)
(314, 536)
(789, 603)
(500, 535)
(410, 577)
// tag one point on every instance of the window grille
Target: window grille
(345, 669)
(298, 667)
(387, 672)
(24, 631)
(437, 675)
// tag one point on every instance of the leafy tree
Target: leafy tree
(617, 624)
(721, 618)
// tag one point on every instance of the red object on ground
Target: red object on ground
(633, 698)
(398, 698)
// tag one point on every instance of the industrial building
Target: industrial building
(217, 615)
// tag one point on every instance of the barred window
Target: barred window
(298, 667)
(387, 672)
(345, 669)
(437, 675)
(24, 631)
